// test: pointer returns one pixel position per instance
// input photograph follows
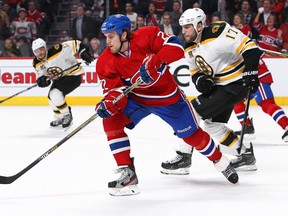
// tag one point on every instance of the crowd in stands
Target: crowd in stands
(266, 21)
(21, 21)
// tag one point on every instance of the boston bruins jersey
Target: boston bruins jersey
(219, 54)
(60, 55)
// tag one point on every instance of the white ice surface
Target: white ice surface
(72, 180)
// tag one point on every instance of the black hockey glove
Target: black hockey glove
(204, 84)
(43, 81)
(85, 55)
(251, 80)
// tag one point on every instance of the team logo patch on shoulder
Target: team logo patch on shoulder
(215, 28)
(56, 47)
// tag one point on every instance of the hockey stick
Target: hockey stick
(244, 120)
(35, 85)
(10, 179)
(271, 52)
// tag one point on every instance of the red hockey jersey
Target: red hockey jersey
(117, 71)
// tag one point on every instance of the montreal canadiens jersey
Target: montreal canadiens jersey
(117, 71)
(219, 54)
(60, 55)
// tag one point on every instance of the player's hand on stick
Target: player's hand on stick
(106, 108)
(251, 80)
(149, 67)
(204, 84)
(43, 81)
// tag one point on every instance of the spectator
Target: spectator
(23, 26)
(34, 14)
(176, 12)
(215, 17)
(131, 14)
(4, 32)
(246, 12)
(140, 21)
(152, 18)
(9, 49)
(238, 22)
(160, 6)
(10, 11)
(264, 11)
(95, 49)
(5, 18)
(277, 7)
(83, 27)
(167, 27)
(270, 37)
(24, 47)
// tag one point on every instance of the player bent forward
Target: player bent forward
(223, 64)
(50, 64)
(145, 53)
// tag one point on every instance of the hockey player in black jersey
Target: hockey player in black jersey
(223, 63)
(51, 66)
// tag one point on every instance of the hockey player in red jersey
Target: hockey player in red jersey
(145, 54)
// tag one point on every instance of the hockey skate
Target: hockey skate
(126, 184)
(179, 165)
(56, 122)
(223, 165)
(67, 119)
(249, 131)
(246, 161)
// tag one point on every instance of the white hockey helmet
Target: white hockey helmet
(193, 16)
(38, 43)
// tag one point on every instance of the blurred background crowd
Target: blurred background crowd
(21, 21)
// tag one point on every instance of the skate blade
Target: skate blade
(181, 171)
(246, 168)
(125, 191)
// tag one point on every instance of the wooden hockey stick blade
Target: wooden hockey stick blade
(10, 179)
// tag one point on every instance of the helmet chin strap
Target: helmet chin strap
(121, 43)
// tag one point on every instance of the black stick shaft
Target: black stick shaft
(10, 179)
(244, 120)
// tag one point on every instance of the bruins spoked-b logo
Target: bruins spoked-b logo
(204, 66)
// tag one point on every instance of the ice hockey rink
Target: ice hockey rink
(72, 180)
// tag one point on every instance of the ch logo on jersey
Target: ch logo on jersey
(204, 66)
(136, 76)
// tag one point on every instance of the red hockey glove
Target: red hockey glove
(149, 67)
(107, 108)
